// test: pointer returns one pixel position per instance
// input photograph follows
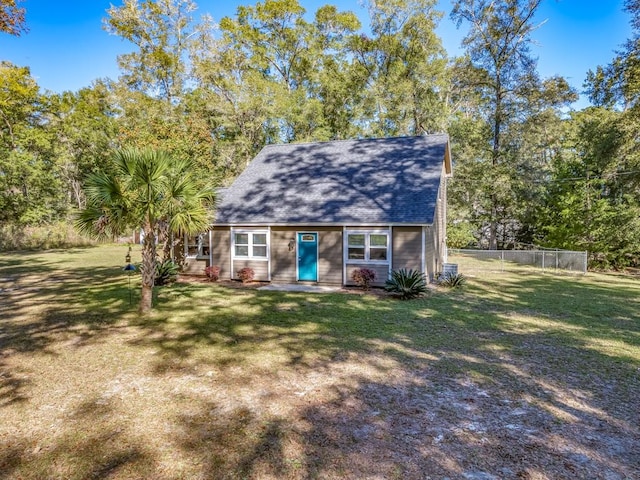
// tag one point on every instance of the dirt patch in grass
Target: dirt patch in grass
(523, 378)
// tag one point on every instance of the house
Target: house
(315, 212)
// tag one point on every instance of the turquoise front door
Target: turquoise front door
(308, 257)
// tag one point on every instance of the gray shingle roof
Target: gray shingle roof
(376, 181)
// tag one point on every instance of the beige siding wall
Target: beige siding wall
(430, 251)
(407, 248)
(260, 268)
(436, 234)
(194, 266)
(330, 256)
(221, 239)
(441, 213)
(405, 243)
(283, 261)
(382, 272)
(440, 226)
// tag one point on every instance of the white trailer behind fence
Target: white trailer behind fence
(501, 260)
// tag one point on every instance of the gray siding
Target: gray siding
(436, 234)
(406, 252)
(430, 252)
(330, 256)
(382, 273)
(194, 266)
(221, 248)
(407, 248)
(260, 268)
(283, 261)
(440, 225)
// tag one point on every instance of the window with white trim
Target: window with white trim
(367, 246)
(250, 244)
(197, 245)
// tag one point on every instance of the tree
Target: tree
(273, 76)
(617, 87)
(499, 76)
(152, 95)
(609, 156)
(149, 190)
(618, 84)
(85, 129)
(163, 31)
(12, 17)
(30, 186)
(405, 68)
(285, 56)
(589, 205)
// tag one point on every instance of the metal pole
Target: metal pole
(586, 254)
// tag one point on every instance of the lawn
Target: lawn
(527, 376)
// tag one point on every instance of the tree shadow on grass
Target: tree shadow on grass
(420, 426)
(232, 444)
(35, 314)
(585, 313)
(77, 307)
(12, 386)
(546, 400)
(93, 443)
(501, 379)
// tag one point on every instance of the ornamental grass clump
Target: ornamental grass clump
(406, 284)
(363, 277)
(452, 281)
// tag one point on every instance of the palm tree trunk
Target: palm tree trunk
(148, 269)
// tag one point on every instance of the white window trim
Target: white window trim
(250, 233)
(203, 240)
(367, 246)
(344, 255)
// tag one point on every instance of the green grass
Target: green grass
(222, 382)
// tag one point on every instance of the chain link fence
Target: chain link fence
(503, 260)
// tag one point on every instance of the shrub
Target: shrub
(212, 272)
(166, 272)
(452, 280)
(363, 277)
(246, 274)
(406, 283)
(56, 235)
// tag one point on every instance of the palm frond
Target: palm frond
(148, 186)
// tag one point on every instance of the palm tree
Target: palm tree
(149, 190)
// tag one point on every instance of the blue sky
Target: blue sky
(66, 47)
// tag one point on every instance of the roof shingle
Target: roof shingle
(368, 181)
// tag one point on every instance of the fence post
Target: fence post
(586, 254)
(501, 261)
(542, 253)
(556, 259)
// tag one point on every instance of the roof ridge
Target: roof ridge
(346, 140)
